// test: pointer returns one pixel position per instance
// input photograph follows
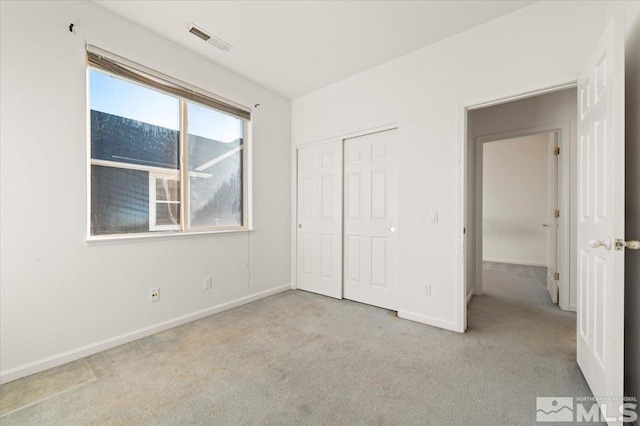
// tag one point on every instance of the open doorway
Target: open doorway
(520, 220)
(533, 185)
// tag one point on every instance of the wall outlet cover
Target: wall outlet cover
(154, 294)
(433, 216)
(208, 283)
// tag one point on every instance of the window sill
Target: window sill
(158, 236)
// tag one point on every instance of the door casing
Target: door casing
(540, 87)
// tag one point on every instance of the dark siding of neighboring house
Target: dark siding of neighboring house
(119, 200)
(120, 197)
(120, 139)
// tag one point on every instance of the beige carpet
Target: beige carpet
(300, 358)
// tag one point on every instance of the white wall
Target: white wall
(514, 205)
(423, 93)
(61, 298)
(551, 109)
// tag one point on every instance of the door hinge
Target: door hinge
(556, 276)
(557, 213)
(556, 150)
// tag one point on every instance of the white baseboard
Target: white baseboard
(424, 319)
(93, 348)
(469, 297)
(514, 262)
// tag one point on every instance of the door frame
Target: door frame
(532, 89)
(294, 187)
(563, 130)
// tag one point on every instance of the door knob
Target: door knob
(599, 243)
(300, 225)
(631, 245)
(392, 229)
(545, 225)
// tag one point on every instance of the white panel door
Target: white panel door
(319, 229)
(370, 219)
(552, 220)
(601, 217)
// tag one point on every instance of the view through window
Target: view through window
(136, 169)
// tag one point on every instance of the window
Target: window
(164, 201)
(163, 158)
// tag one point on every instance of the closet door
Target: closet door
(370, 219)
(319, 228)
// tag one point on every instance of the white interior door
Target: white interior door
(552, 221)
(370, 219)
(319, 230)
(600, 341)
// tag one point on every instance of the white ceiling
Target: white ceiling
(296, 47)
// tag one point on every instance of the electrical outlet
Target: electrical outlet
(427, 290)
(433, 216)
(208, 283)
(154, 294)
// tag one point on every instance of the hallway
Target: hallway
(522, 285)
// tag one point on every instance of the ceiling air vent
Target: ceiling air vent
(200, 33)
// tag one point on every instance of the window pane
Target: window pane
(136, 129)
(167, 214)
(119, 200)
(167, 189)
(215, 168)
(133, 124)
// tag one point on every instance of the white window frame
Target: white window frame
(153, 200)
(184, 228)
